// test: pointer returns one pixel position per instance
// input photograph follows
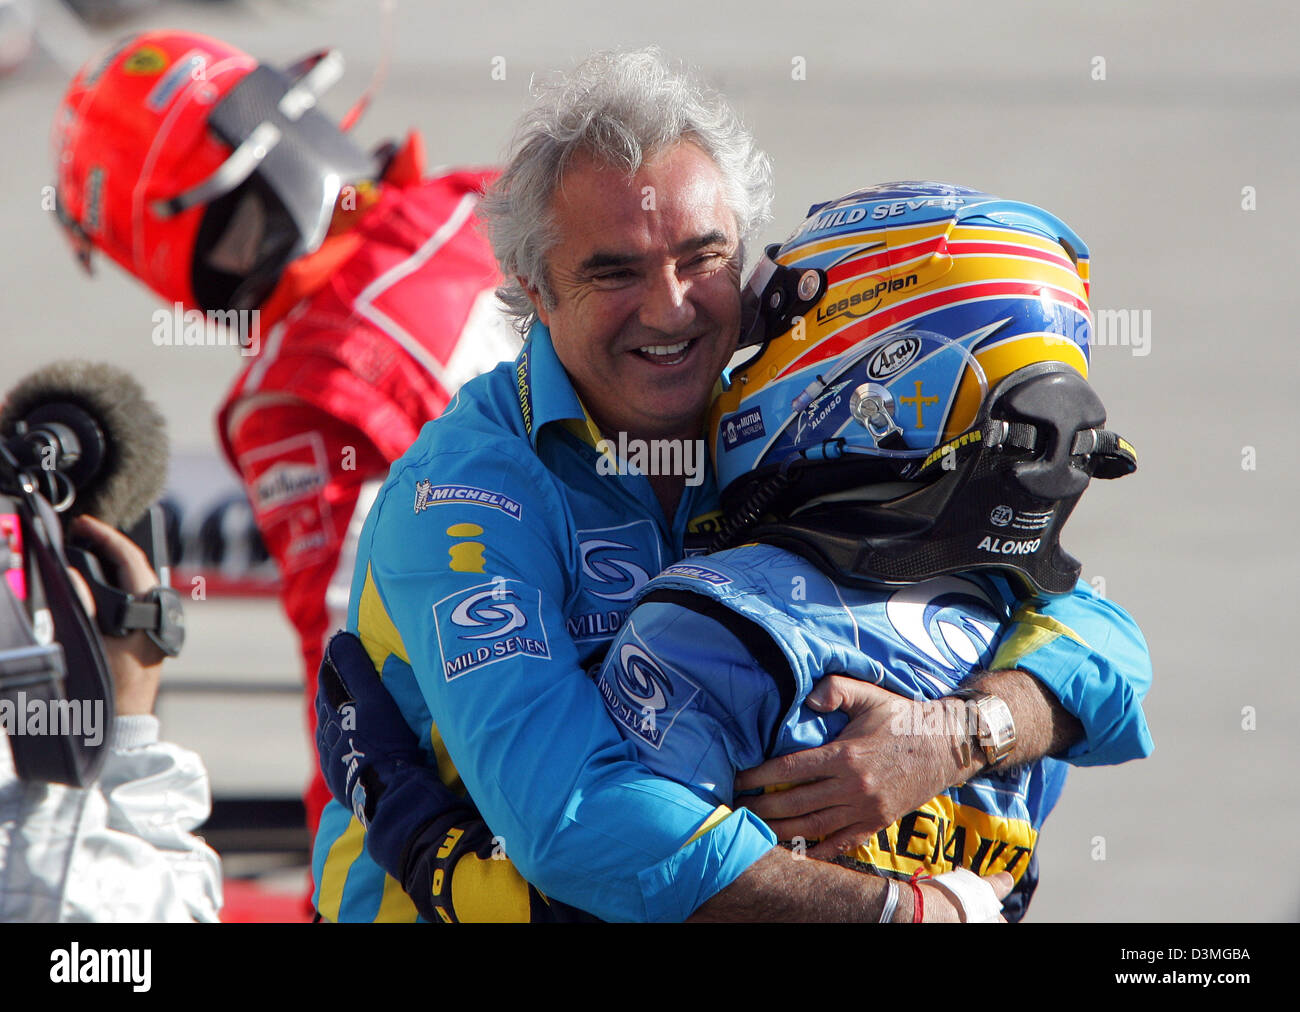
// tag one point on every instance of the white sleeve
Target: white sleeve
(122, 850)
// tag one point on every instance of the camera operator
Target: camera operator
(121, 849)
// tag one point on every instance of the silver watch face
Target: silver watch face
(997, 728)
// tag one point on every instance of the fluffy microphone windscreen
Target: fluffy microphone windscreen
(135, 466)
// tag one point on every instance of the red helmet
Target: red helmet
(200, 171)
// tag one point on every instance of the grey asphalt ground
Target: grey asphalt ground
(1199, 100)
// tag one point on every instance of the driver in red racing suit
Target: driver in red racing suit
(369, 352)
(361, 292)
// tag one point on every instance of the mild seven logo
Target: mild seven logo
(474, 612)
(487, 623)
(601, 564)
(641, 692)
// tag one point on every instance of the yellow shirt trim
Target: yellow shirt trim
(717, 815)
(346, 849)
(1029, 632)
(382, 640)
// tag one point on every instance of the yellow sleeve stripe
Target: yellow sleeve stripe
(378, 634)
(447, 771)
(716, 816)
(382, 640)
(343, 851)
(395, 904)
(1029, 632)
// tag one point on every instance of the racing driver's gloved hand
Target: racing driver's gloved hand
(417, 829)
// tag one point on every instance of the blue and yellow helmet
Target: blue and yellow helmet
(882, 328)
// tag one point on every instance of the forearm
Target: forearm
(783, 886)
(631, 848)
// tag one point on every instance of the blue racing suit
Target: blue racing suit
(710, 672)
(495, 568)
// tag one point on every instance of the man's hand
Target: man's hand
(894, 755)
(134, 659)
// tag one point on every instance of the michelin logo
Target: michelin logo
(694, 572)
(488, 623)
(428, 494)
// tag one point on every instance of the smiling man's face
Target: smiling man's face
(646, 279)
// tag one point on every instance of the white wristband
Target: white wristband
(973, 897)
(891, 903)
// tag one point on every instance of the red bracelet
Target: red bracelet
(918, 901)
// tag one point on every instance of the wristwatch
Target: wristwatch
(168, 632)
(157, 612)
(997, 729)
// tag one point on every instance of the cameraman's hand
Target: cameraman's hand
(135, 660)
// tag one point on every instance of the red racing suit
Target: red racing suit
(361, 343)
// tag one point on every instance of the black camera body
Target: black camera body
(51, 654)
(75, 438)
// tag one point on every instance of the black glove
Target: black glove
(416, 828)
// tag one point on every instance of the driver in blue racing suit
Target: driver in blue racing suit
(710, 673)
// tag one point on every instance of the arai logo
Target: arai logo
(893, 358)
